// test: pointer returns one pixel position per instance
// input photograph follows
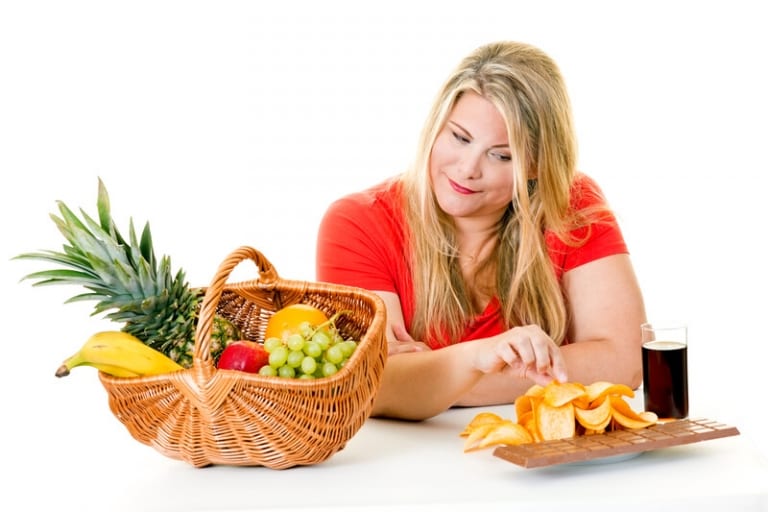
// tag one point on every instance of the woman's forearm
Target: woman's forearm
(419, 385)
(587, 362)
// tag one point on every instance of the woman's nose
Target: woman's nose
(469, 164)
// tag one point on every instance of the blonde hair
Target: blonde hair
(527, 88)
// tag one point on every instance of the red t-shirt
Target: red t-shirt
(361, 242)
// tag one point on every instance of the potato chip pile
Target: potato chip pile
(558, 411)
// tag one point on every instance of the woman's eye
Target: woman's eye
(501, 157)
(459, 137)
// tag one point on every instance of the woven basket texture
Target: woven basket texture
(206, 416)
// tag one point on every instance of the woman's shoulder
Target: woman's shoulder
(595, 233)
(385, 194)
(585, 192)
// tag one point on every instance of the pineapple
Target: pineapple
(128, 282)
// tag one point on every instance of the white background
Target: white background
(236, 123)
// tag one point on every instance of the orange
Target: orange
(286, 321)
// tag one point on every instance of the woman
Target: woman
(499, 263)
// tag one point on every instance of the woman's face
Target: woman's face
(471, 163)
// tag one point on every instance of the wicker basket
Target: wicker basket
(207, 416)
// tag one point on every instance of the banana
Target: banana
(120, 354)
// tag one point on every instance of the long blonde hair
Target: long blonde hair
(527, 88)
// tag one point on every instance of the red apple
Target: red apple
(243, 355)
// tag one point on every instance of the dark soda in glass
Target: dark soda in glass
(665, 378)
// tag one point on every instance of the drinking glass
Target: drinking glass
(665, 370)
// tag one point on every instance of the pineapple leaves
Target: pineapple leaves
(98, 257)
(146, 246)
(133, 250)
(105, 215)
(67, 260)
(123, 276)
(60, 275)
(79, 236)
(102, 205)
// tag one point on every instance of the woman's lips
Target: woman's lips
(461, 190)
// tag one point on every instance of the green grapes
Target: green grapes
(295, 342)
(278, 356)
(329, 369)
(267, 370)
(271, 343)
(313, 349)
(313, 352)
(308, 365)
(295, 357)
(334, 354)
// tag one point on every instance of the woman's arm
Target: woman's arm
(606, 309)
(419, 383)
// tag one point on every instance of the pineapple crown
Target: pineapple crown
(119, 273)
(125, 278)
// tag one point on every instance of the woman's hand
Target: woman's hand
(403, 342)
(526, 351)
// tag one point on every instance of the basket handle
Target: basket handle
(267, 277)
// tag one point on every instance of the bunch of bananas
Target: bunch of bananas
(119, 354)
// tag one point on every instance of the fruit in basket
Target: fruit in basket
(128, 281)
(300, 348)
(559, 411)
(119, 354)
(243, 355)
(290, 320)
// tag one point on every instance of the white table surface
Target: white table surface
(387, 465)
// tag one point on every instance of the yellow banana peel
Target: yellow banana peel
(119, 354)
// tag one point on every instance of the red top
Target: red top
(361, 243)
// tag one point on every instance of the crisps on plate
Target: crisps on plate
(599, 389)
(596, 416)
(559, 411)
(562, 394)
(555, 422)
(503, 432)
(484, 418)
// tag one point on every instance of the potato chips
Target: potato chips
(558, 411)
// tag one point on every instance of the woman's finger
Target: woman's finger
(559, 370)
(539, 357)
(524, 351)
(543, 350)
(401, 333)
(402, 347)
